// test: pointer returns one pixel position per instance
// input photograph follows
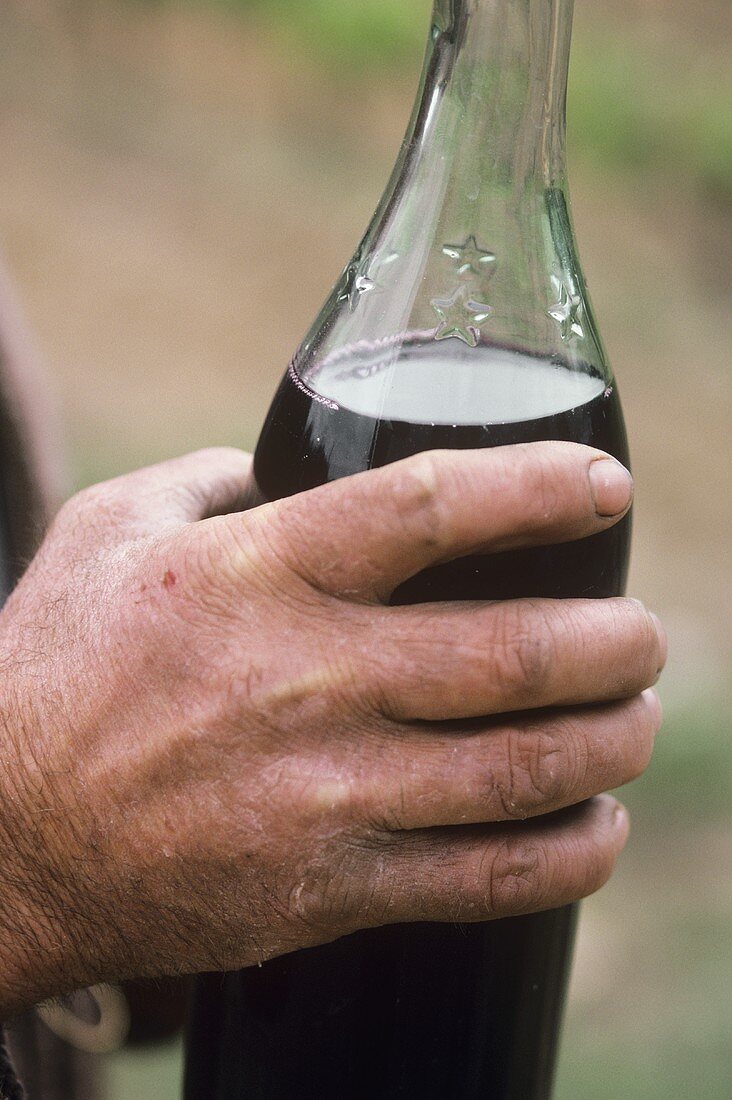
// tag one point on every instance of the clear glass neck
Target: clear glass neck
(471, 248)
(497, 78)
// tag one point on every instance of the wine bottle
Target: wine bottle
(462, 321)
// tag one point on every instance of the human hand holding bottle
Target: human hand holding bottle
(221, 745)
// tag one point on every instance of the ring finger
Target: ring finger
(443, 661)
(479, 873)
(518, 767)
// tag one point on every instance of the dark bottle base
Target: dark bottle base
(389, 1013)
(435, 1012)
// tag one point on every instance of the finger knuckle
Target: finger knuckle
(105, 502)
(311, 898)
(327, 896)
(328, 794)
(544, 487)
(418, 492)
(542, 769)
(392, 810)
(106, 513)
(518, 879)
(523, 653)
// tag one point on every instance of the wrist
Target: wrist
(38, 959)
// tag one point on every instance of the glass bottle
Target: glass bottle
(462, 321)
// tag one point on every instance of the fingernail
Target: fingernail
(611, 486)
(654, 705)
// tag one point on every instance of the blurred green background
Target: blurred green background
(180, 184)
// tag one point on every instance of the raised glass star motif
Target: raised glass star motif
(469, 257)
(362, 277)
(566, 311)
(460, 316)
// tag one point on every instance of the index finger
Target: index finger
(362, 536)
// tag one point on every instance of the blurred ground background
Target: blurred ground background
(180, 184)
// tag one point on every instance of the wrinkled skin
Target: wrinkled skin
(220, 744)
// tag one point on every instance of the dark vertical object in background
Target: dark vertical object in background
(31, 468)
(463, 321)
(31, 474)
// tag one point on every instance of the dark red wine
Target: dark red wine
(431, 1011)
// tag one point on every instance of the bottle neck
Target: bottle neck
(495, 83)
(473, 241)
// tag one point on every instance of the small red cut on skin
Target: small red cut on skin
(170, 579)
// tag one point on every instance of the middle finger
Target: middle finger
(447, 661)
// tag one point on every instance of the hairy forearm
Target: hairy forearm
(29, 962)
(35, 933)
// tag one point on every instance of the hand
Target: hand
(221, 745)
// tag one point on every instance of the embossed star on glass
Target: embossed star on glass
(462, 321)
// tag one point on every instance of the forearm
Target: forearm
(27, 965)
(35, 938)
